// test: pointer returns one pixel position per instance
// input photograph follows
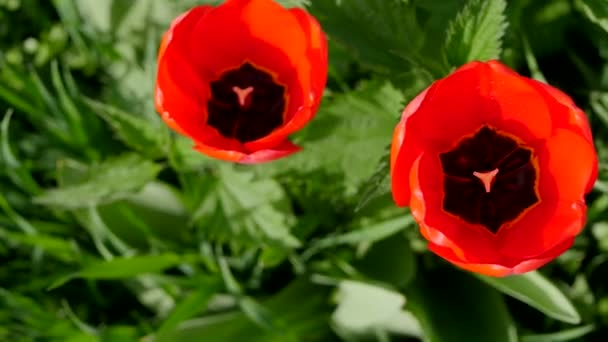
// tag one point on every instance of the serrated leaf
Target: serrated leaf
(120, 268)
(595, 10)
(476, 32)
(382, 34)
(109, 181)
(348, 136)
(538, 292)
(237, 206)
(135, 131)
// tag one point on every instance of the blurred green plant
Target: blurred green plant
(113, 229)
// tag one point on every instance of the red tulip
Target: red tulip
(240, 77)
(494, 167)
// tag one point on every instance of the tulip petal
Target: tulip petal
(567, 115)
(567, 163)
(284, 149)
(299, 120)
(523, 111)
(174, 99)
(533, 264)
(472, 243)
(240, 31)
(564, 111)
(501, 270)
(181, 28)
(180, 94)
(455, 107)
(317, 53)
(542, 228)
(405, 148)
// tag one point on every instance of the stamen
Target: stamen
(242, 94)
(486, 178)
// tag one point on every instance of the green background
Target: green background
(113, 229)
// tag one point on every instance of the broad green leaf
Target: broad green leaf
(476, 32)
(364, 309)
(595, 10)
(193, 304)
(348, 136)
(454, 306)
(136, 132)
(109, 181)
(390, 260)
(538, 292)
(123, 267)
(574, 334)
(240, 207)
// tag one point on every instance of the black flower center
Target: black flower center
(246, 104)
(489, 179)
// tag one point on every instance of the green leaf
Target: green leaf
(348, 136)
(364, 309)
(454, 306)
(109, 181)
(369, 234)
(595, 10)
(300, 307)
(136, 132)
(123, 267)
(476, 32)
(538, 292)
(383, 34)
(574, 334)
(390, 260)
(239, 207)
(191, 305)
(63, 249)
(13, 167)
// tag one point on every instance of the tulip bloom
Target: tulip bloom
(494, 167)
(240, 77)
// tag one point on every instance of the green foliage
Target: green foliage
(595, 10)
(104, 183)
(537, 292)
(476, 33)
(113, 228)
(452, 312)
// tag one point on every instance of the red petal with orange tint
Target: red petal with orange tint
(206, 42)
(455, 106)
(542, 228)
(567, 166)
(523, 111)
(539, 118)
(403, 158)
(475, 244)
(280, 151)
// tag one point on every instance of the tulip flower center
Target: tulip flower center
(246, 104)
(489, 179)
